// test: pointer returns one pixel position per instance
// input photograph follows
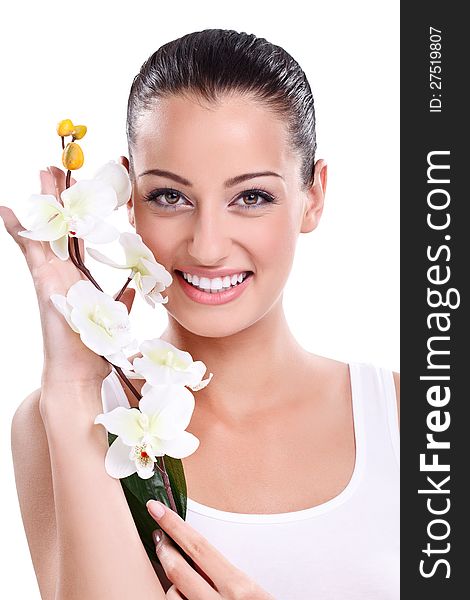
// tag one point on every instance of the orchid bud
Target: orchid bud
(72, 156)
(65, 127)
(79, 131)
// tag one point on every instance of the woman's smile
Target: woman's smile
(217, 290)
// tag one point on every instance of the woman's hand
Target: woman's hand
(211, 577)
(65, 355)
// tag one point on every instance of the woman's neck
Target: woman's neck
(252, 368)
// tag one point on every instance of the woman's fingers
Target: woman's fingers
(32, 250)
(181, 574)
(223, 573)
(173, 594)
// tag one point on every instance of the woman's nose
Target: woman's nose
(210, 239)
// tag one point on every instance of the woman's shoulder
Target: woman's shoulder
(336, 373)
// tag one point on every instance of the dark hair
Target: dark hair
(210, 62)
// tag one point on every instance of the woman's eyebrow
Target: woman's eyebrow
(229, 183)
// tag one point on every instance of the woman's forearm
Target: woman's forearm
(100, 552)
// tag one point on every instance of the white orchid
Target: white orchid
(84, 206)
(155, 429)
(102, 322)
(117, 177)
(150, 277)
(162, 364)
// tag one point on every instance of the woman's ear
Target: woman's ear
(315, 198)
(130, 203)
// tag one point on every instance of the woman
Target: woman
(221, 133)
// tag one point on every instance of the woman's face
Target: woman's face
(225, 197)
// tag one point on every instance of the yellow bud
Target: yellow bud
(72, 156)
(79, 131)
(65, 127)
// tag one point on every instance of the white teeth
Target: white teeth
(215, 284)
(205, 283)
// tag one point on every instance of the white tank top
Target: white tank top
(344, 549)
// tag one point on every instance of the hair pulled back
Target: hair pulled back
(213, 62)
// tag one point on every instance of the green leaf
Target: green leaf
(139, 491)
(174, 468)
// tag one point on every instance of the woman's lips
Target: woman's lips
(220, 297)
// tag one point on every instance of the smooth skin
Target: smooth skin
(270, 403)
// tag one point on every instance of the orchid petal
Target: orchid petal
(116, 175)
(102, 233)
(169, 408)
(60, 302)
(103, 323)
(146, 388)
(134, 247)
(202, 384)
(160, 397)
(60, 247)
(53, 230)
(89, 197)
(119, 359)
(98, 336)
(181, 446)
(145, 472)
(42, 208)
(97, 255)
(157, 297)
(124, 422)
(157, 350)
(157, 374)
(145, 282)
(158, 271)
(117, 462)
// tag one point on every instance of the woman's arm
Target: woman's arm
(100, 554)
(98, 551)
(32, 468)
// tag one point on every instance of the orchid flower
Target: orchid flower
(156, 428)
(117, 177)
(102, 322)
(150, 277)
(162, 363)
(84, 206)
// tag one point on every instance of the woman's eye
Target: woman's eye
(172, 199)
(164, 198)
(254, 199)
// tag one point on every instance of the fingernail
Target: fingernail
(156, 508)
(157, 536)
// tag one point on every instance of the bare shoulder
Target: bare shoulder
(32, 467)
(327, 377)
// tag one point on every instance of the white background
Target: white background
(77, 60)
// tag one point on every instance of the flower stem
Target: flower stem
(166, 483)
(127, 382)
(74, 252)
(81, 264)
(121, 291)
